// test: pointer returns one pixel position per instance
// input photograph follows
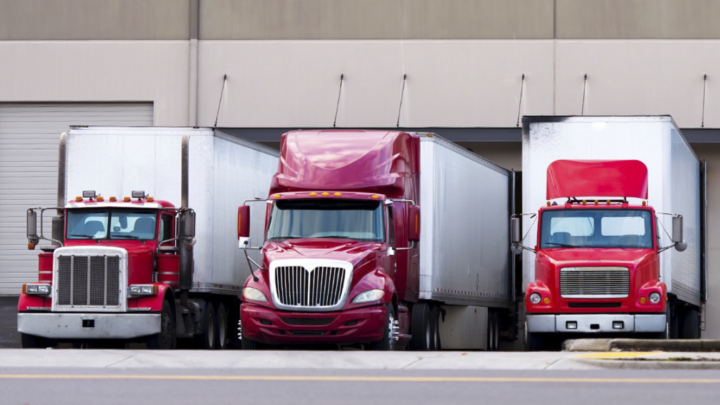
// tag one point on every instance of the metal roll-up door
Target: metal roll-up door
(29, 135)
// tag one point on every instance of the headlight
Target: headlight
(254, 294)
(654, 297)
(368, 296)
(535, 298)
(142, 289)
(37, 289)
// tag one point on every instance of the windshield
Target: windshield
(596, 228)
(322, 218)
(124, 224)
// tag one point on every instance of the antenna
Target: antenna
(402, 95)
(222, 91)
(522, 85)
(337, 106)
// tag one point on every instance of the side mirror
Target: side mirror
(187, 224)
(515, 230)
(677, 233)
(414, 225)
(32, 236)
(243, 226)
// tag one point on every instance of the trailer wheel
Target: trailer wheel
(387, 343)
(166, 339)
(206, 339)
(421, 327)
(435, 322)
(493, 334)
(221, 331)
(691, 324)
(36, 342)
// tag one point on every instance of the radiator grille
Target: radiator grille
(299, 287)
(594, 282)
(88, 281)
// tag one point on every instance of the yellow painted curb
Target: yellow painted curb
(616, 355)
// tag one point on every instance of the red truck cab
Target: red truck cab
(597, 259)
(339, 259)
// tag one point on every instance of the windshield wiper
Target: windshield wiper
(125, 236)
(83, 235)
(336, 237)
(285, 237)
(560, 244)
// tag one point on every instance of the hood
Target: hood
(357, 253)
(597, 257)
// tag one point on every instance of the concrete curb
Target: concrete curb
(642, 345)
(649, 364)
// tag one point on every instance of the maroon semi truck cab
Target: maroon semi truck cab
(339, 256)
(597, 257)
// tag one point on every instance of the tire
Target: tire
(493, 335)
(435, 320)
(691, 324)
(36, 342)
(673, 322)
(206, 339)
(422, 330)
(387, 343)
(222, 339)
(167, 338)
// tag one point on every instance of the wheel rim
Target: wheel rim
(392, 331)
(211, 331)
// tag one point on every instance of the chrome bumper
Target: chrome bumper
(596, 323)
(88, 326)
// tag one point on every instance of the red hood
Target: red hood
(357, 253)
(596, 256)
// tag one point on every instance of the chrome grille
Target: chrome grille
(594, 282)
(88, 281)
(300, 287)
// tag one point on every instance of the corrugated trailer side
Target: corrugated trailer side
(465, 204)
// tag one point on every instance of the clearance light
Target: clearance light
(584, 202)
(126, 199)
(277, 196)
(374, 196)
(608, 201)
(100, 198)
(78, 198)
(596, 202)
(430, 135)
(643, 300)
(338, 194)
(313, 194)
(113, 199)
(548, 203)
(325, 194)
(546, 300)
(654, 297)
(150, 199)
(643, 203)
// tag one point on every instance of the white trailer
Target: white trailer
(676, 183)
(465, 259)
(199, 169)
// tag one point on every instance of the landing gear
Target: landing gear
(691, 323)
(388, 341)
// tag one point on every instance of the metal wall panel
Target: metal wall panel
(29, 135)
(465, 212)
(673, 179)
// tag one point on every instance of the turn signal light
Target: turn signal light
(276, 196)
(643, 300)
(338, 194)
(374, 196)
(546, 300)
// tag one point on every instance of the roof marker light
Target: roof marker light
(374, 196)
(277, 196)
(338, 194)
(100, 198)
(150, 199)
(126, 199)
(548, 203)
(313, 194)
(643, 203)
(78, 198)
(113, 199)
(326, 194)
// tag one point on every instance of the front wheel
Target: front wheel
(221, 330)
(167, 338)
(387, 343)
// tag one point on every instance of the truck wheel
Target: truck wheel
(206, 339)
(533, 341)
(166, 339)
(691, 324)
(435, 320)
(422, 327)
(387, 343)
(493, 334)
(36, 342)
(221, 331)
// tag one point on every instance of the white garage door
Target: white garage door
(29, 135)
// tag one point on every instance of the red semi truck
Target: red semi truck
(131, 267)
(342, 258)
(598, 265)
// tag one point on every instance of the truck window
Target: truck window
(87, 224)
(166, 227)
(596, 228)
(360, 220)
(391, 227)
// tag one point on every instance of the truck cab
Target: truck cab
(597, 259)
(111, 275)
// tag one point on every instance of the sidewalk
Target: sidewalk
(9, 337)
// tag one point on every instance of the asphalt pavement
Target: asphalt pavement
(9, 336)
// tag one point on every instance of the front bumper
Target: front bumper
(88, 326)
(596, 323)
(362, 325)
